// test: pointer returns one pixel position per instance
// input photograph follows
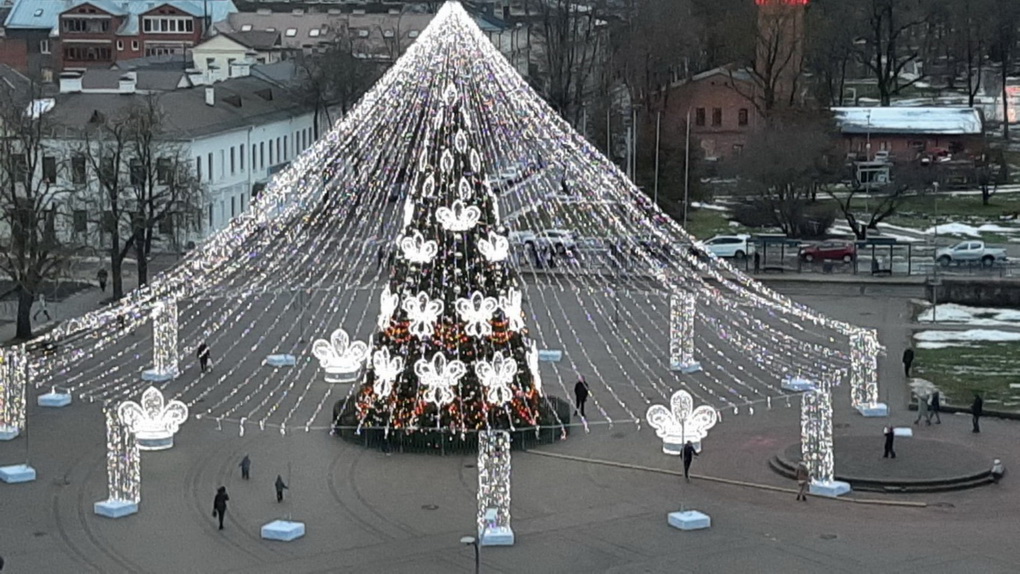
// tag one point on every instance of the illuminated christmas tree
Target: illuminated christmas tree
(451, 350)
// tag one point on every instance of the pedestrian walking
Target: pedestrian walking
(976, 410)
(889, 436)
(581, 394)
(908, 359)
(997, 471)
(935, 407)
(279, 488)
(688, 453)
(203, 357)
(245, 468)
(41, 309)
(802, 481)
(101, 276)
(922, 410)
(219, 505)
(757, 262)
(379, 258)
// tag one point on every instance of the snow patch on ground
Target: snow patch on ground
(975, 231)
(942, 339)
(709, 206)
(973, 316)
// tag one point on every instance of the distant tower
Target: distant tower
(780, 49)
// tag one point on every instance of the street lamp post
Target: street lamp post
(935, 259)
(658, 123)
(488, 518)
(687, 167)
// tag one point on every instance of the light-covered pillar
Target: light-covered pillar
(164, 342)
(864, 350)
(123, 469)
(13, 381)
(494, 489)
(681, 332)
(816, 439)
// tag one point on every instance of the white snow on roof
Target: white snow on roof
(938, 339)
(921, 120)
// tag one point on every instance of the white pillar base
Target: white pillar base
(155, 376)
(550, 355)
(688, 367)
(54, 400)
(497, 536)
(283, 530)
(689, 520)
(874, 410)
(9, 433)
(115, 508)
(155, 443)
(281, 360)
(831, 488)
(797, 384)
(17, 473)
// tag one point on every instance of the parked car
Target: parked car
(845, 251)
(560, 240)
(970, 252)
(736, 246)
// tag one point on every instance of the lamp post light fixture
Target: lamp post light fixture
(490, 516)
(473, 542)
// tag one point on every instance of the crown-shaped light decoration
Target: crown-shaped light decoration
(423, 312)
(339, 357)
(496, 376)
(681, 422)
(417, 250)
(438, 377)
(476, 312)
(458, 217)
(495, 248)
(511, 306)
(387, 305)
(387, 369)
(154, 421)
(446, 161)
(536, 375)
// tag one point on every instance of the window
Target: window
(20, 167)
(81, 220)
(210, 62)
(44, 46)
(78, 173)
(134, 46)
(77, 25)
(246, 27)
(210, 215)
(240, 155)
(270, 153)
(163, 170)
(168, 25)
(279, 154)
(109, 223)
(253, 157)
(137, 172)
(233, 206)
(166, 224)
(88, 53)
(742, 117)
(120, 45)
(262, 154)
(223, 164)
(291, 32)
(242, 203)
(107, 169)
(314, 33)
(699, 117)
(716, 116)
(286, 150)
(198, 168)
(738, 148)
(232, 165)
(47, 74)
(209, 165)
(387, 33)
(49, 168)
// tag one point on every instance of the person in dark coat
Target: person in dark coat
(245, 467)
(688, 453)
(581, 394)
(976, 410)
(998, 470)
(889, 436)
(203, 356)
(279, 488)
(101, 276)
(219, 504)
(908, 359)
(936, 408)
(803, 477)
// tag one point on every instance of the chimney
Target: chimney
(70, 82)
(127, 83)
(210, 96)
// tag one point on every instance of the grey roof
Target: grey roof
(729, 72)
(148, 80)
(909, 120)
(255, 39)
(45, 14)
(162, 62)
(11, 79)
(239, 103)
(329, 25)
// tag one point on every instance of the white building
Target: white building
(223, 54)
(236, 133)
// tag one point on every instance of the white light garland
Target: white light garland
(388, 303)
(423, 312)
(681, 332)
(816, 431)
(386, 370)
(494, 487)
(534, 366)
(681, 422)
(864, 350)
(438, 377)
(476, 311)
(123, 460)
(13, 383)
(164, 340)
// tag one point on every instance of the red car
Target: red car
(845, 251)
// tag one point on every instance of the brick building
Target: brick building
(909, 133)
(44, 37)
(721, 114)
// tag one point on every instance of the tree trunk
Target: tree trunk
(116, 268)
(143, 262)
(25, 300)
(1005, 101)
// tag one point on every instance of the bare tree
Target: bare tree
(881, 204)
(829, 51)
(890, 37)
(30, 252)
(966, 46)
(1003, 49)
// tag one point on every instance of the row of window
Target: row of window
(232, 160)
(107, 223)
(717, 117)
(168, 25)
(85, 25)
(317, 32)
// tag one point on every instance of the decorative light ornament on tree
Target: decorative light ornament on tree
(495, 248)
(386, 369)
(154, 422)
(388, 303)
(164, 342)
(496, 377)
(339, 357)
(123, 469)
(534, 366)
(458, 217)
(681, 422)
(681, 332)
(864, 350)
(438, 377)
(423, 312)
(476, 312)
(511, 306)
(417, 250)
(816, 437)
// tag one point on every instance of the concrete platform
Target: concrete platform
(687, 368)
(499, 536)
(797, 384)
(831, 488)
(689, 520)
(875, 410)
(921, 465)
(54, 400)
(281, 360)
(115, 508)
(550, 355)
(154, 376)
(9, 433)
(283, 530)
(17, 473)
